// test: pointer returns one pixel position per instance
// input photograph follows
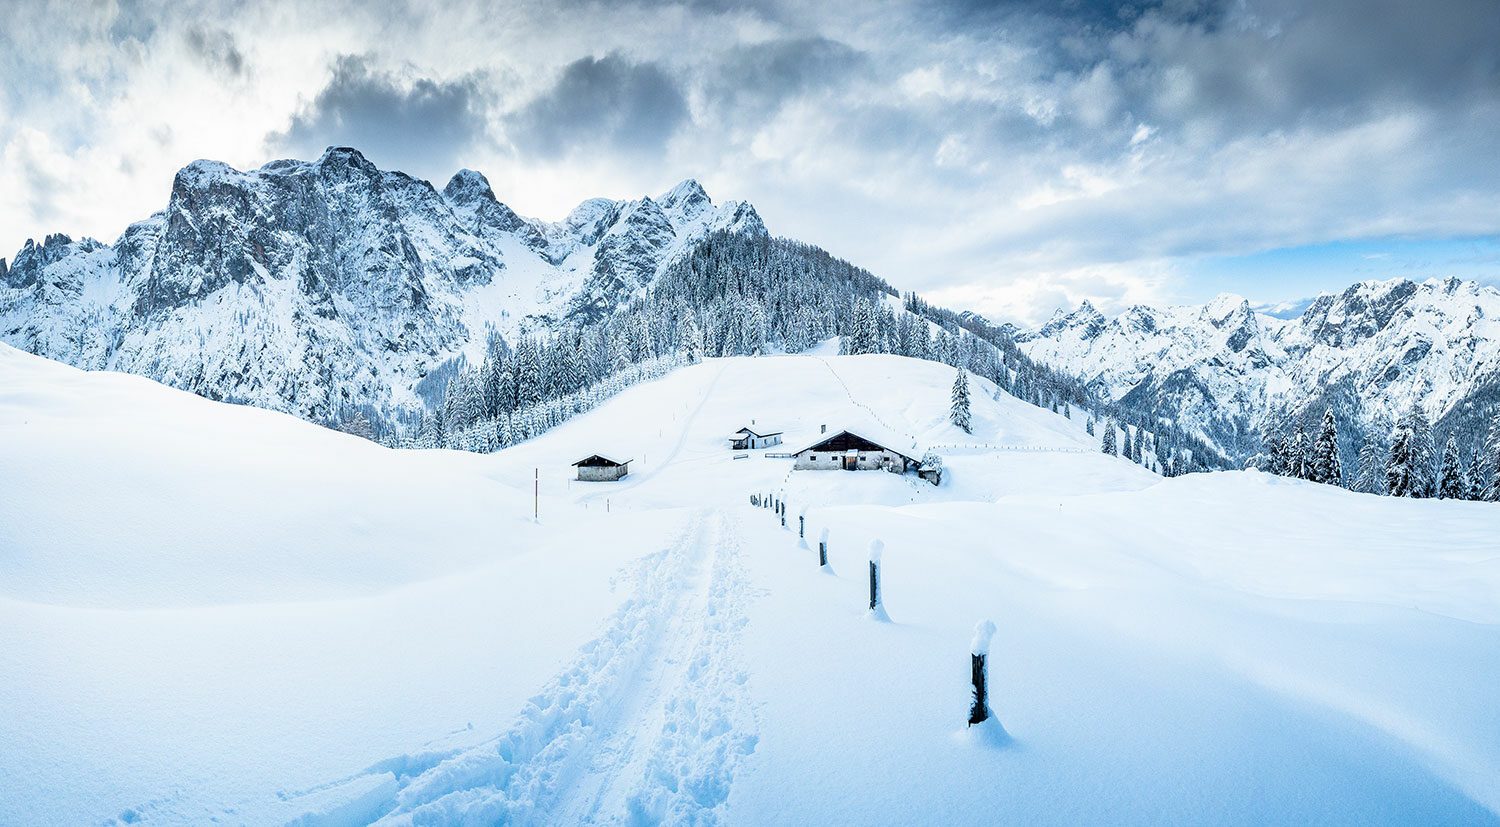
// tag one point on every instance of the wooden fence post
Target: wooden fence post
(877, 550)
(979, 652)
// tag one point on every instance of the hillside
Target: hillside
(211, 612)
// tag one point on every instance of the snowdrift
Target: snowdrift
(214, 612)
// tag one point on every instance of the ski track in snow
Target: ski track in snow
(687, 422)
(647, 725)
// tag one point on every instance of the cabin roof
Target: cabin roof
(600, 459)
(757, 434)
(881, 440)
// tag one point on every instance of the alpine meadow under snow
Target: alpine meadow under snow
(216, 613)
(750, 413)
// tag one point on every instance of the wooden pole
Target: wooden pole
(536, 494)
(877, 548)
(979, 652)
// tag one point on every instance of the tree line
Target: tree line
(1403, 463)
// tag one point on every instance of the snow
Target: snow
(1393, 343)
(216, 612)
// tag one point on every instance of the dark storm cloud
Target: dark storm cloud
(1275, 64)
(752, 81)
(216, 48)
(608, 103)
(421, 126)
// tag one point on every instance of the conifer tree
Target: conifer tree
(1371, 474)
(690, 340)
(1422, 453)
(1491, 492)
(1475, 476)
(1325, 466)
(958, 412)
(1089, 427)
(1452, 485)
(1108, 445)
(1296, 454)
(1400, 476)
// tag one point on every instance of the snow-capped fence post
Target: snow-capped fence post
(801, 526)
(877, 608)
(782, 509)
(979, 653)
(823, 549)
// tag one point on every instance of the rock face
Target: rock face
(1222, 369)
(318, 287)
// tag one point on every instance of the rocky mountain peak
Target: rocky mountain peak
(1227, 307)
(467, 187)
(1087, 318)
(346, 156)
(687, 199)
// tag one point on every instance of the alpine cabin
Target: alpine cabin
(600, 468)
(848, 451)
(745, 438)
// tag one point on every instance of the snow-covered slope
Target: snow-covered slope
(1375, 349)
(215, 613)
(278, 285)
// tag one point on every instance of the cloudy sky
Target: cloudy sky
(1009, 157)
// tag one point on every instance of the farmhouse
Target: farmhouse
(848, 451)
(600, 468)
(745, 438)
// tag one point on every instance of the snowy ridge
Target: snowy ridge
(1223, 369)
(320, 287)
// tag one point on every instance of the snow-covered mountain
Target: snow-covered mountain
(1222, 369)
(317, 287)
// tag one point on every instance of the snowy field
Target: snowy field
(212, 613)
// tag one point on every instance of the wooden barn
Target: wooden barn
(746, 438)
(600, 468)
(848, 451)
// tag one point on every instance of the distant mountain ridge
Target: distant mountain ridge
(314, 286)
(1224, 371)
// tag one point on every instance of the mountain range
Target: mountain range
(316, 287)
(1228, 373)
(323, 287)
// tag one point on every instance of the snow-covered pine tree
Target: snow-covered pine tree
(1297, 455)
(1475, 476)
(1278, 451)
(1089, 427)
(529, 388)
(1400, 476)
(1137, 451)
(1423, 453)
(1325, 466)
(1452, 483)
(1491, 492)
(1371, 473)
(690, 339)
(958, 411)
(1108, 445)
